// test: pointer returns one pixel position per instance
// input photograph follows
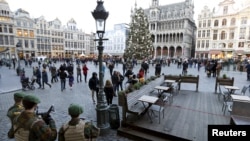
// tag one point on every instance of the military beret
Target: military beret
(19, 95)
(75, 109)
(32, 98)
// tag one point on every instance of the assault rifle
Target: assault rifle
(45, 114)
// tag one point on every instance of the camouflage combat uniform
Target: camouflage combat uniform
(77, 129)
(28, 125)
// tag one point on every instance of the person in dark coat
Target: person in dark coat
(93, 85)
(158, 69)
(109, 91)
(45, 78)
(63, 75)
(38, 77)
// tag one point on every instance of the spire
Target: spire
(135, 4)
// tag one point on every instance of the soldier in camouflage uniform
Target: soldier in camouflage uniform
(77, 129)
(14, 111)
(29, 127)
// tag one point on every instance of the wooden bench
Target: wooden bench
(240, 114)
(130, 103)
(189, 79)
(221, 81)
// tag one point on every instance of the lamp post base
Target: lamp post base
(102, 117)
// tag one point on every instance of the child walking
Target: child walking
(71, 80)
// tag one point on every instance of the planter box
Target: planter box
(223, 81)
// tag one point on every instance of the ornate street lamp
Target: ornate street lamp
(100, 15)
(18, 69)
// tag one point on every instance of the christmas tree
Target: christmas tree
(139, 42)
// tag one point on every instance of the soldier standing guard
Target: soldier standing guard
(29, 127)
(14, 111)
(77, 129)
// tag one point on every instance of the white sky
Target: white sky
(80, 10)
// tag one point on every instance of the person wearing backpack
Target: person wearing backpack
(77, 129)
(29, 127)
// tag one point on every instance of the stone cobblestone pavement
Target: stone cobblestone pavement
(80, 94)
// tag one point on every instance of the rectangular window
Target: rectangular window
(200, 23)
(231, 34)
(6, 40)
(26, 43)
(32, 44)
(25, 33)
(204, 23)
(202, 44)
(209, 23)
(207, 43)
(5, 29)
(242, 33)
(1, 28)
(225, 10)
(199, 33)
(208, 33)
(1, 39)
(10, 29)
(12, 40)
(32, 34)
(215, 35)
(203, 33)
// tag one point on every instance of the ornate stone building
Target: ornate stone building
(7, 34)
(172, 28)
(224, 31)
(25, 31)
(38, 37)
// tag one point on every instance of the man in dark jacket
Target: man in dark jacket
(93, 85)
(38, 77)
(63, 76)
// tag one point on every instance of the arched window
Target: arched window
(216, 23)
(223, 35)
(224, 22)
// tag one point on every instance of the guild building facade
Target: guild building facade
(173, 29)
(25, 37)
(224, 31)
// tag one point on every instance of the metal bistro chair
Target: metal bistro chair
(158, 107)
(243, 90)
(227, 104)
(222, 93)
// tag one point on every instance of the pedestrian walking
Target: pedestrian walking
(38, 77)
(109, 91)
(77, 129)
(71, 80)
(53, 74)
(78, 73)
(63, 75)
(115, 79)
(45, 78)
(15, 111)
(85, 72)
(93, 85)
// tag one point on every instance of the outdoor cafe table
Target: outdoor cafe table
(150, 100)
(161, 89)
(231, 90)
(169, 82)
